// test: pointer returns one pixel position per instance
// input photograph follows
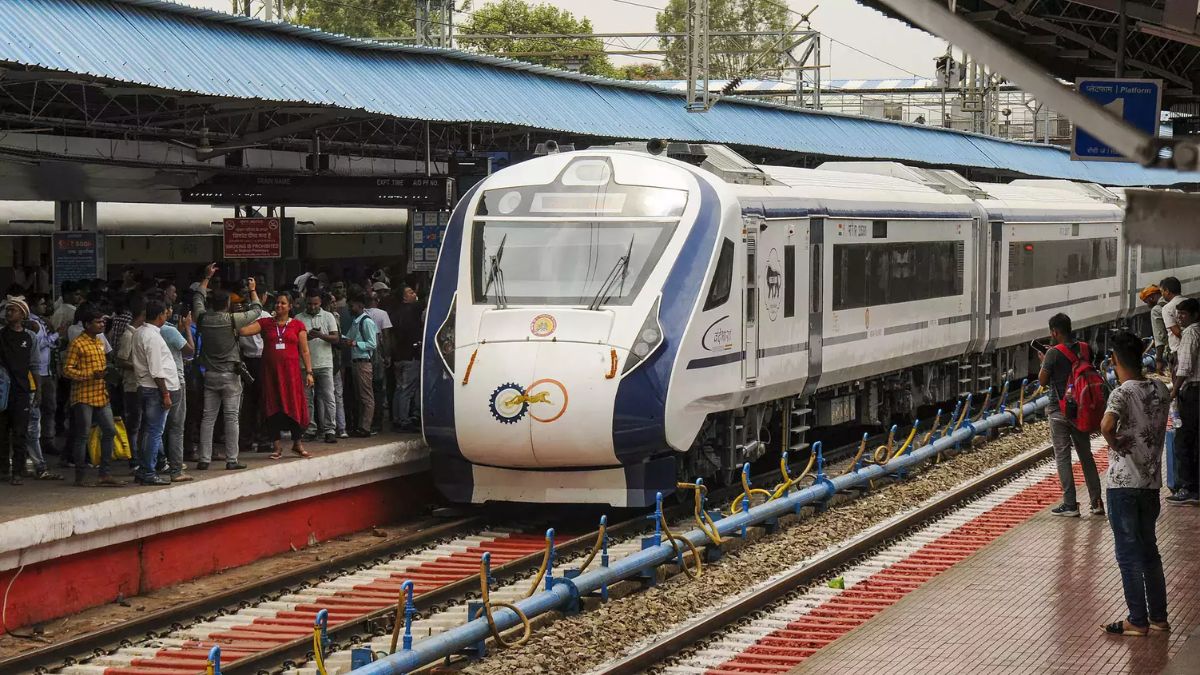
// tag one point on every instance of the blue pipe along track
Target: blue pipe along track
(562, 594)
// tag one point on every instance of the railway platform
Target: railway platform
(1028, 600)
(64, 548)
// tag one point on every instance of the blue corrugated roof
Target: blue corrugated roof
(179, 48)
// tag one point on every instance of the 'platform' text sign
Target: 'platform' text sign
(1138, 102)
(252, 237)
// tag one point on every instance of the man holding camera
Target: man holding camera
(221, 360)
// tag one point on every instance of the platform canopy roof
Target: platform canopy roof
(158, 70)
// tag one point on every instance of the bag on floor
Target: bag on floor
(121, 448)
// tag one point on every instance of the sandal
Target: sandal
(45, 474)
(276, 452)
(301, 451)
(1124, 628)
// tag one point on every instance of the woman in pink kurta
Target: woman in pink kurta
(285, 348)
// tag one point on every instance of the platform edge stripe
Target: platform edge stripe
(34, 539)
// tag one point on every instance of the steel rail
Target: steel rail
(270, 660)
(667, 645)
(563, 593)
(52, 656)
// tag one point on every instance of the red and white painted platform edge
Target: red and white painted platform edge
(745, 638)
(786, 635)
(47, 536)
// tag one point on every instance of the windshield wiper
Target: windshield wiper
(618, 272)
(496, 275)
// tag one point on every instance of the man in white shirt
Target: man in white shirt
(158, 386)
(1171, 290)
(64, 311)
(323, 333)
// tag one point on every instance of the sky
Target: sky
(858, 42)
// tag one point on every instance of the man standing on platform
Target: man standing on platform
(1185, 389)
(1152, 296)
(1057, 364)
(158, 388)
(1135, 425)
(323, 334)
(17, 351)
(221, 360)
(362, 339)
(85, 366)
(1171, 289)
(406, 359)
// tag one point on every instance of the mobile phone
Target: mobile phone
(1038, 346)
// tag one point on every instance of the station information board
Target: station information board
(252, 237)
(77, 256)
(428, 228)
(401, 192)
(1138, 102)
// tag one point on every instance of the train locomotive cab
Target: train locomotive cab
(553, 320)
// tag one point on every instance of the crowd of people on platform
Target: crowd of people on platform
(146, 366)
(1155, 384)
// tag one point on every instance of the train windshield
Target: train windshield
(559, 245)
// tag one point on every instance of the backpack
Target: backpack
(5, 388)
(1088, 391)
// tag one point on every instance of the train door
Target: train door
(750, 229)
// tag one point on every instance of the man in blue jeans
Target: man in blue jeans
(85, 366)
(1135, 425)
(158, 387)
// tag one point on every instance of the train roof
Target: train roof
(1019, 201)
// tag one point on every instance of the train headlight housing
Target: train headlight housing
(445, 337)
(649, 338)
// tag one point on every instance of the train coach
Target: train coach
(603, 323)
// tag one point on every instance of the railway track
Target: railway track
(773, 627)
(267, 625)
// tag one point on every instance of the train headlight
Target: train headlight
(445, 337)
(649, 337)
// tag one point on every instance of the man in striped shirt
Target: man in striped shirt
(1186, 390)
(85, 366)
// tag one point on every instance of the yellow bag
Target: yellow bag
(121, 448)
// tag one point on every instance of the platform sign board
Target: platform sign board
(413, 192)
(1138, 102)
(77, 256)
(427, 227)
(252, 238)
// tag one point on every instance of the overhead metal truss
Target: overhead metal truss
(1084, 38)
(52, 103)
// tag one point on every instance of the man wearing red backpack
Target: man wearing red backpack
(1077, 401)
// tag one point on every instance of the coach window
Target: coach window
(1038, 264)
(718, 289)
(885, 274)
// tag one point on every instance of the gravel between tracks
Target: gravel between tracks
(573, 644)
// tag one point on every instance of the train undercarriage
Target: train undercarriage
(841, 413)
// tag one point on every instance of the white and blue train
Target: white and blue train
(606, 322)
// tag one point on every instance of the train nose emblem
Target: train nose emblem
(510, 402)
(543, 325)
